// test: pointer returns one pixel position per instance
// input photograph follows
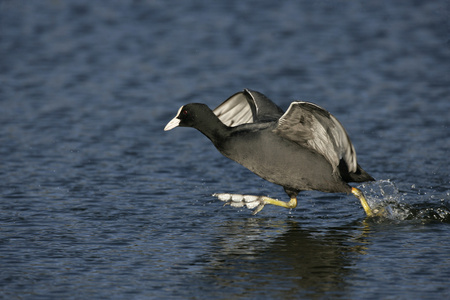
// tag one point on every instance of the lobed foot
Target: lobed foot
(239, 200)
(370, 212)
(254, 202)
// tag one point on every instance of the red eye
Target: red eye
(185, 112)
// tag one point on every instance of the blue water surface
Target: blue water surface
(98, 202)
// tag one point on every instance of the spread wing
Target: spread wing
(236, 110)
(309, 125)
(247, 107)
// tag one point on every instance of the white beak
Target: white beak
(172, 124)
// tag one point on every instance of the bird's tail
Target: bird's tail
(359, 176)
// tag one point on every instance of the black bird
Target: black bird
(305, 148)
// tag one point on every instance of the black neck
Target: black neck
(212, 127)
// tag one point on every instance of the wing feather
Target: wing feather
(309, 125)
(247, 107)
(235, 111)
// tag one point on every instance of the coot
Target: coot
(305, 148)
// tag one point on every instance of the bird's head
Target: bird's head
(189, 115)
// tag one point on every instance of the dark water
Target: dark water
(98, 202)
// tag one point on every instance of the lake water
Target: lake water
(98, 202)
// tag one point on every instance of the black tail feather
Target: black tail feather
(359, 176)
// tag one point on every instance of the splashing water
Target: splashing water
(389, 203)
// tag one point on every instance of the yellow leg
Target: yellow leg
(363, 200)
(266, 200)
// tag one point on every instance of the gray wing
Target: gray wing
(309, 125)
(247, 107)
(236, 110)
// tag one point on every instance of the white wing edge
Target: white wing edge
(343, 146)
(234, 111)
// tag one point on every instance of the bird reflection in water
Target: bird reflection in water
(253, 252)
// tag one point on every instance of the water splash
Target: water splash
(389, 203)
